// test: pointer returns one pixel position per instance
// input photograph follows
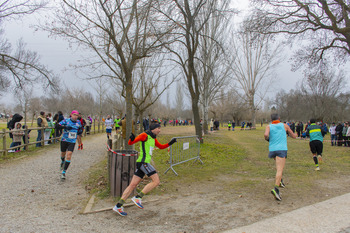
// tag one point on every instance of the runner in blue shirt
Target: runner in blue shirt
(275, 134)
(71, 127)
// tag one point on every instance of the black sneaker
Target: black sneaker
(282, 185)
(276, 193)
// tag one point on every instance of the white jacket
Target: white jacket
(332, 129)
(348, 132)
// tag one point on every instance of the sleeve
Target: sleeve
(62, 124)
(39, 121)
(142, 137)
(161, 146)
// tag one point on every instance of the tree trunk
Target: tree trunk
(196, 119)
(205, 117)
(128, 112)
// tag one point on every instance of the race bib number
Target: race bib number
(72, 135)
(151, 150)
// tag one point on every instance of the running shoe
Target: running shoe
(282, 185)
(81, 146)
(63, 176)
(317, 169)
(276, 193)
(137, 202)
(119, 210)
(320, 158)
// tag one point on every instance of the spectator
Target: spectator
(42, 122)
(88, 124)
(211, 125)
(345, 130)
(24, 136)
(59, 129)
(48, 131)
(339, 132)
(348, 135)
(17, 137)
(333, 134)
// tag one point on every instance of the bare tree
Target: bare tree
(118, 33)
(214, 68)
(320, 88)
(23, 97)
(323, 25)
(190, 18)
(255, 57)
(179, 99)
(20, 66)
(148, 87)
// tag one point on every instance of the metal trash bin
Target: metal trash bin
(122, 164)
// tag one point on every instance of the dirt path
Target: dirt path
(33, 199)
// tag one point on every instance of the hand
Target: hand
(132, 137)
(68, 127)
(172, 141)
(267, 139)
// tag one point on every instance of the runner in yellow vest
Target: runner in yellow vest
(143, 167)
(229, 126)
(116, 123)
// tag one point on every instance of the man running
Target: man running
(109, 125)
(275, 134)
(316, 134)
(143, 167)
(116, 124)
(71, 127)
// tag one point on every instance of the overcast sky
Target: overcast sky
(56, 54)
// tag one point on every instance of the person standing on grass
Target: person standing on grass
(143, 167)
(71, 127)
(316, 134)
(275, 134)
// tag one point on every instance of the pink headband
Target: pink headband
(74, 112)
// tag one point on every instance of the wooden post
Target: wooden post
(42, 136)
(4, 142)
(26, 137)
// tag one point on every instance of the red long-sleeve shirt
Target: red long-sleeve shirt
(143, 137)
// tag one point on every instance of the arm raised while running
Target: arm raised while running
(161, 146)
(267, 133)
(142, 137)
(289, 131)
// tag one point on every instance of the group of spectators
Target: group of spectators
(339, 133)
(44, 120)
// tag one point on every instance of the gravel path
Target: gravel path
(32, 197)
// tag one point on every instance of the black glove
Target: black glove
(172, 141)
(68, 127)
(132, 137)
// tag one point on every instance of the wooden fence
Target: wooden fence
(96, 127)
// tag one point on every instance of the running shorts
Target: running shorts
(67, 146)
(108, 130)
(316, 147)
(278, 153)
(143, 169)
(116, 128)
